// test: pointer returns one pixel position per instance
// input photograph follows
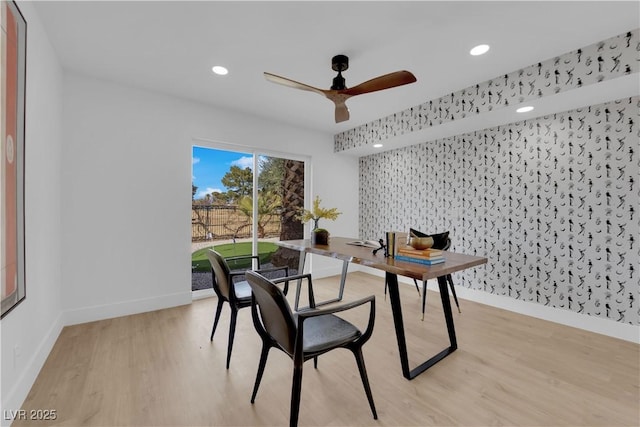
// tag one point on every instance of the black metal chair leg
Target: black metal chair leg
(263, 362)
(424, 297)
(449, 280)
(296, 389)
(215, 322)
(453, 291)
(417, 288)
(232, 333)
(365, 380)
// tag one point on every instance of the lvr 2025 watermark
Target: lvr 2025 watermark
(30, 414)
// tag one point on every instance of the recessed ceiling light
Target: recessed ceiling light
(221, 71)
(524, 109)
(377, 145)
(479, 50)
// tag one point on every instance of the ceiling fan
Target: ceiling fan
(339, 93)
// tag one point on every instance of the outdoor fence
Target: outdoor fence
(216, 222)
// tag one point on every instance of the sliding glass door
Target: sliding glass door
(238, 212)
(280, 188)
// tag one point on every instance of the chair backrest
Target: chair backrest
(447, 245)
(220, 272)
(275, 312)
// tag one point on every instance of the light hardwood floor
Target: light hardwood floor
(160, 369)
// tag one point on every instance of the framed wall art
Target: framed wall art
(13, 49)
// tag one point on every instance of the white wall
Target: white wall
(127, 191)
(108, 181)
(33, 326)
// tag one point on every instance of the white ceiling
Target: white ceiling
(170, 47)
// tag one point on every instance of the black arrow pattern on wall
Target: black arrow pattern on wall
(601, 61)
(552, 202)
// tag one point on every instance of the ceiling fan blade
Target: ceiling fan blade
(340, 96)
(386, 81)
(292, 83)
(342, 112)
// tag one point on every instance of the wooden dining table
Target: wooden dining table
(339, 248)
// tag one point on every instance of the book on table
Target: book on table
(420, 253)
(422, 256)
(366, 243)
(424, 261)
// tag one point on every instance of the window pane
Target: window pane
(221, 210)
(280, 196)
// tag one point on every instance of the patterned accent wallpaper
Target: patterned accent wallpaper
(552, 202)
(605, 60)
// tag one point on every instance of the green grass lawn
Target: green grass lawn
(200, 262)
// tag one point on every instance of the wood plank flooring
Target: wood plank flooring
(160, 369)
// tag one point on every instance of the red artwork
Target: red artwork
(12, 71)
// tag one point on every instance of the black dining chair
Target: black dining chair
(304, 334)
(236, 293)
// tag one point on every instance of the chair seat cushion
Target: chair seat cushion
(243, 290)
(328, 331)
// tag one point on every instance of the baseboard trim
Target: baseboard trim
(202, 293)
(125, 308)
(611, 328)
(15, 398)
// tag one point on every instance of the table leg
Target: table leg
(396, 308)
(448, 314)
(303, 256)
(343, 279)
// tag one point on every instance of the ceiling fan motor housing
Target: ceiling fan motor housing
(339, 63)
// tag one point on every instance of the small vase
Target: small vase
(319, 237)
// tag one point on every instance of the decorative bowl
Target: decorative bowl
(421, 242)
